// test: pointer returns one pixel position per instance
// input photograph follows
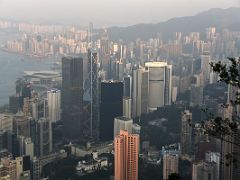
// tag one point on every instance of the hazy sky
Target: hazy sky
(106, 12)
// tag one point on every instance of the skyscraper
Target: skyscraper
(72, 96)
(139, 92)
(29, 148)
(111, 105)
(43, 137)
(231, 147)
(21, 125)
(127, 83)
(39, 108)
(204, 171)
(170, 164)
(14, 104)
(127, 107)
(23, 90)
(104, 43)
(122, 123)
(160, 84)
(215, 158)
(54, 105)
(119, 70)
(6, 122)
(205, 66)
(126, 156)
(91, 96)
(186, 133)
(104, 50)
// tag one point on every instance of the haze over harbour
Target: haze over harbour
(12, 67)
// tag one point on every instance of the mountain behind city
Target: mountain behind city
(219, 18)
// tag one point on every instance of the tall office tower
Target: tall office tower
(170, 164)
(119, 71)
(126, 156)
(19, 166)
(23, 90)
(26, 163)
(104, 43)
(21, 125)
(160, 84)
(36, 169)
(21, 143)
(72, 96)
(232, 97)
(111, 104)
(122, 50)
(213, 76)
(6, 122)
(186, 133)
(139, 92)
(205, 66)
(174, 93)
(127, 85)
(110, 67)
(196, 94)
(93, 90)
(122, 123)
(29, 148)
(43, 142)
(214, 157)
(14, 104)
(127, 107)
(54, 105)
(26, 106)
(10, 142)
(204, 171)
(104, 50)
(39, 108)
(231, 147)
(90, 34)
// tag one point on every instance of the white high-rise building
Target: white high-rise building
(139, 92)
(160, 84)
(29, 148)
(54, 105)
(122, 123)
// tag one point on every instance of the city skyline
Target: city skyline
(114, 14)
(145, 102)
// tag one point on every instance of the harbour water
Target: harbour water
(12, 67)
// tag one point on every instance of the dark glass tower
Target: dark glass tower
(23, 90)
(72, 96)
(110, 107)
(127, 82)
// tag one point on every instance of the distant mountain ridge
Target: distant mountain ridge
(220, 18)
